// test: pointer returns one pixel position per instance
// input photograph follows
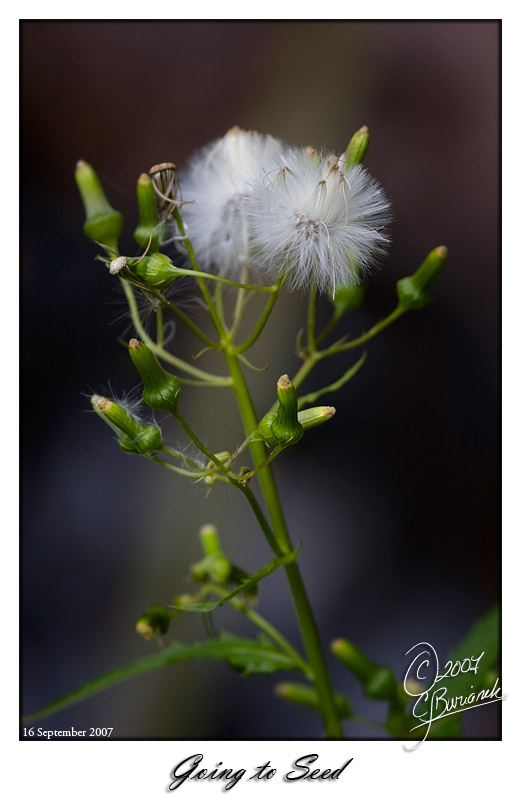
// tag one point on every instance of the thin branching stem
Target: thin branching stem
(206, 378)
(265, 315)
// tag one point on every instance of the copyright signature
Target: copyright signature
(435, 702)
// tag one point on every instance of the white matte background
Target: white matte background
(380, 769)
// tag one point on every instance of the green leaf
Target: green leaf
(248, 655)
(270, 567)
(483, 637)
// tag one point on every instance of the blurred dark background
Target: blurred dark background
(396, 501)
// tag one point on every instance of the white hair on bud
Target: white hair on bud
(315, 222)
(218, 180)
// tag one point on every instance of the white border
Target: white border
(380, 769)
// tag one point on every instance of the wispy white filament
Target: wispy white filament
(218, 180)
(316, 222)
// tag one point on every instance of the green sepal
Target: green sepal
(103, 223)
(161, 389)
(414, 291)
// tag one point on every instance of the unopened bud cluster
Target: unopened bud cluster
(134, 435)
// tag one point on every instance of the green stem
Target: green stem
(195, 439)
(281, 540)
(159, 326)
(336, 348)
(268, 308)
(314, 357)
(306, 619)
(192, 273)
(331, 325)
(201, 281)
(240, 303)
(207, 377)
(265, 463)
(312, 319)
(263, 625)
(182, 316)
(179, 470)
(312, 397)
(129, 277)
(277, 637)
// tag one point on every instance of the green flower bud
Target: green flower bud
(214, 565)
(304, 695)
(184, 599)
(382, 685)
(210, 540)
(347, 298)
(103, 223)
(312, 417)
(282, 428)
(379, 682)
(155, 621)
(149, 224)
(156, 270)
(134, 436)
(414, 291)
(215, 568)
(357, 147)
(219, 568)
(161, 389)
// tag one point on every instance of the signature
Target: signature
(434, 702)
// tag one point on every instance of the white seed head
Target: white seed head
(320, 225)
(218, 180)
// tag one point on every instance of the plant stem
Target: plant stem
(312, 397)
(365, 337)
(312, 318)
(268, 308)
(201, 281)
(208, 276)
(277, 637)
(159, 326)
(207, 377)
(306, 619)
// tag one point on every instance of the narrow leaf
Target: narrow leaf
(249, 655)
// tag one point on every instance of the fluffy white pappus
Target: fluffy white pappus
(315, 222)
(217, 180)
